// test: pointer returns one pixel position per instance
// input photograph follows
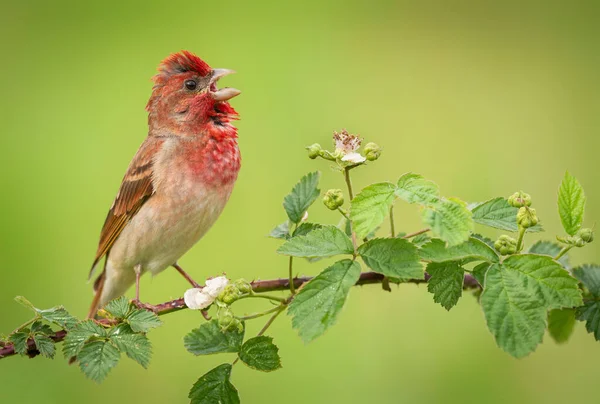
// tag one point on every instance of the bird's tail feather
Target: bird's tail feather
(98, 287)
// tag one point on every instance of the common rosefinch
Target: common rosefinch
(179, 181)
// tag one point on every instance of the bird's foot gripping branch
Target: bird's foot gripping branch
(523, 289)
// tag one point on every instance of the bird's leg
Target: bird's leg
(138, 273)
(186, 276)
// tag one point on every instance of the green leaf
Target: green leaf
(561, 323)
(471, 250)
(209, 339)
(551, 249)
(479, 272)
(446, 282)
(135, 346)
(97, 358)
(589, 275)
(323, 242)
(571, 204)
(488, 241)
(392, 257)
(497, 213)
(318, 304)
(590, 313)
(449, 220)
(413, 188)
(302, 196)
(45, 345)
(305, 228)
(59, 316)
(261, 354)
(143, 320)
(25, 303)
(421, 239)
(79, 335)
(40, 328)
(371, 206)
(215, 388)
(518, 294)
(118, 307)
(281, 231)
(19, 340)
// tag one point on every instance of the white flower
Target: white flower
(198, 299)
(354, 157)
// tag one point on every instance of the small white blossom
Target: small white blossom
(304, 217)
(197, 299)
(354, 157)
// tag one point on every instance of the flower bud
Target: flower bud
(243, 286)
(586, 235)
(526, 217)
(226, 319)
(519, 199)
(372, 151)
(506, 245)
(333, 199)
(314, 150)
(230, 294)
(578, 241)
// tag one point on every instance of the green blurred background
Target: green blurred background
(483, 97)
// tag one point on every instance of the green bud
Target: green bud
(519, 199)
(243, 286)
(506, 245)
(578, 241)
(333, 199)
(372, 151)
(226, 319)
(314, 150)
(230, 294)
(586, 235)
(526, 217)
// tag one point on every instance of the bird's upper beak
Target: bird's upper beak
(225, 93)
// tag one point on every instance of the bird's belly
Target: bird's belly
(166, 227)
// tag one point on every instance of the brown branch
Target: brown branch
(366, 278)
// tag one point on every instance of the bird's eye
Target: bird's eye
(190, 84)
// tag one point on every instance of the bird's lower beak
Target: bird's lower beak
(225, 93)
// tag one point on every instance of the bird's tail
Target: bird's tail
(98, 287)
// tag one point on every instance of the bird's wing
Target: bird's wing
(136, 188)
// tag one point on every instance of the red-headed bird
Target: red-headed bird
(178, 182)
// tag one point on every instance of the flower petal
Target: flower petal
(196, 299)
(354, 157)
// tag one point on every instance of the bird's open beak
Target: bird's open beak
(225, 93)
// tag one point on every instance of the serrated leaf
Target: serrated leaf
(518, 294)
(323, 242)
(302, 196)
(45, 345)
(371, 206)
(392, 257)
(19, 340)
(449, 220)
(209, 339)
(143, 320)
(79, 335)
(413, 188)
(118, 307)
(261, 354)
(488, 241)
(571, 204)
(446, 282)
(281, 231)
(479, 272)
(550, 249)
(24, 302)
(497, 213)
(471, 250)
(40, 328)
(305, 228)
(421, 239)
(97, 358)
(135, 346)
(590, 313)
(214, 387)
(58, 315)
(561, 323)
(318, 304)
(589, 275)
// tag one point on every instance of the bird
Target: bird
(178, 182)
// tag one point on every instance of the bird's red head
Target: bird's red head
(185, 100)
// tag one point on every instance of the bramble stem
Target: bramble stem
(351, 195)
(563, 252)
(261, 296)
(262, 313)
(411, 235)
(343, 213)
(522, 231)
(392, 230)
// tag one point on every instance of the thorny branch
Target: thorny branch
(366, 278)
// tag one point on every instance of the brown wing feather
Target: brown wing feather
(135, 190)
